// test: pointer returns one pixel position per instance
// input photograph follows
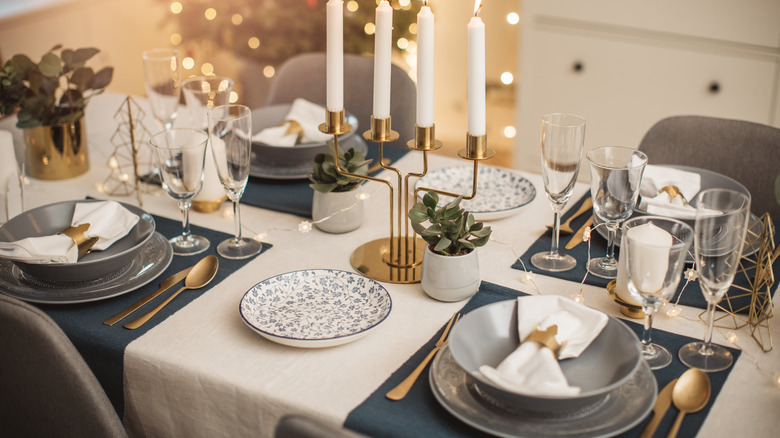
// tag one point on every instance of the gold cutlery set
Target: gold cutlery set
(689, 393)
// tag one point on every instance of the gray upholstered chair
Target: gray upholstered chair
(745, 151)
(300, 426)
(304, 76)
(46, 388)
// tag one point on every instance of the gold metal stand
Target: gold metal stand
(398, 258)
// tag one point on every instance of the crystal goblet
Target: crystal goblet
(163, 85)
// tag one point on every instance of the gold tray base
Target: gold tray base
(372, 259)
(628, 309)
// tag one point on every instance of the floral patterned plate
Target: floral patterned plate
(315, 308)
(500, 192)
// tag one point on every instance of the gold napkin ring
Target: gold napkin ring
(78, 235)
(546, 338)
(293, 127)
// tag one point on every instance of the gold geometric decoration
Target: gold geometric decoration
(757, 270)
(130, 160)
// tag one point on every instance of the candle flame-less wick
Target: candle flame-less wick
(425, 2)
(477, 7)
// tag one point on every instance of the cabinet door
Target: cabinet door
(623, 87)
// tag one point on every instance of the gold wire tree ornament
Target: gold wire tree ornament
(757, 269)
(128, 162)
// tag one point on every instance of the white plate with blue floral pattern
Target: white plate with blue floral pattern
(315, 308)
(500, 192)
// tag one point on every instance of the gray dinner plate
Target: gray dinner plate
(623, 408)
(295, 162)
(149, 262)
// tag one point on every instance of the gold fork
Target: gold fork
(403, 388)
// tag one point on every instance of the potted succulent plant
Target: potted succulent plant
(49, 98)
(336, 196)
(450, 267)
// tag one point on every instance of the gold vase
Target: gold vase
(57, 151)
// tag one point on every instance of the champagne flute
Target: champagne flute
(655, 249)
(230, 130)
(163, 86)
(562, 139)
(721, 224)
(615, 174)
(180, 153)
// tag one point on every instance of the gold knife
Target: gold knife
(662, 404)
(576, 239)
(164, 285)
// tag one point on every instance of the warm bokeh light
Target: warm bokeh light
(237, 19)
(176, 7)
(510, 132)
(207, 69)
(176, 39)
(369, 28)
(413, 28)
(352, 6)
(253, 42)
(233, 97)
(269, 71)
(402, 43)
(210, 14)
(513, 18)
(507, 78)
(405, 3)
(188, 63)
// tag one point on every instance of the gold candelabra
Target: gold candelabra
(398, 258)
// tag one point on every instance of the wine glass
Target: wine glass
(721, 224)
(562, 138)
(202, 93)
(163, 86)
(180, 153)
(615, 174)
(655, 249)
(230, 130)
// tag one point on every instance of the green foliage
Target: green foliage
(326, 179)
(55, 90)
(452, 230)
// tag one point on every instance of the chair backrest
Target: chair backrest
(745, 151)
(304, 76)
(46, 388)
(300, 426)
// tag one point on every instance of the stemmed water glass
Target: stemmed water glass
(202, 93)
(230, 130)
(615, 174)
(562, 138)
(163, 86)
(655, 249)
(721, 224)
(180, 153)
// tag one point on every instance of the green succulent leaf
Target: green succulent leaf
(417, 216)
(431, 200)
(442, 244)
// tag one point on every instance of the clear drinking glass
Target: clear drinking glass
(721, 224)
(163, 85)
(202, 93)
(180, 153)
(230, 130)
(655, 249)
(562, 138)
(615, 174)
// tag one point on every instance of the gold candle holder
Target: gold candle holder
(398, 258)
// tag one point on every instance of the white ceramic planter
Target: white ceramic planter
(327, 204)
(450, 278)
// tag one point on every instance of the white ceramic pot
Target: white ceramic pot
(450, 278)
(328, 204)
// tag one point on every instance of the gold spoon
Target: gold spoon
(690, 394)
(200, 275)
(566, 226)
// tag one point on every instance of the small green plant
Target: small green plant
(452, 230)
(326, 179)
(56, 90)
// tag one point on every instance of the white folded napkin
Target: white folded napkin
(306, 115)
(533, 369)
(109, 221)
(656, 177)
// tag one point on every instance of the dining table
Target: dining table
(198, 370)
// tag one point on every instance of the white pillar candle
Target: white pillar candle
(383, 40)
(425, 67)
(648, 261)
(476, 73)
(335, 55)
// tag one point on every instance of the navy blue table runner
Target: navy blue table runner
(102, 346)
(420, 414)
